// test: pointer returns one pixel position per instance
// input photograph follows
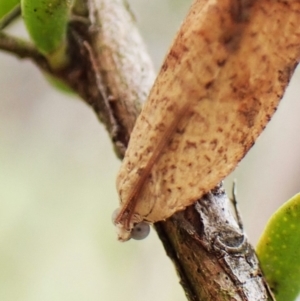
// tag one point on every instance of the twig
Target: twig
(21, 49)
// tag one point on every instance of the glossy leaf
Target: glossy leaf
(279, 251)
(6, 6)
(46, 22)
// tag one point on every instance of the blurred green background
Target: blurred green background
(57, 185)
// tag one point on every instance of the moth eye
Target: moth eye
(114, 215)
(140, 231)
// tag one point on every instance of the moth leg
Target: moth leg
(235, 205)
(108, 99)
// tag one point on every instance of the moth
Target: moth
(217, 88)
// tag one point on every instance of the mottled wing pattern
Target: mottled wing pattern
(217, 89)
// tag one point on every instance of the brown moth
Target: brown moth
(217, 89)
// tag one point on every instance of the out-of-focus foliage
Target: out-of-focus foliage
(6, 6)
(279, 250)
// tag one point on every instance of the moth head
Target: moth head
(136, 229)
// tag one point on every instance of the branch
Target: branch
(116, 78)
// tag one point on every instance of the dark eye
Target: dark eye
(140, 231)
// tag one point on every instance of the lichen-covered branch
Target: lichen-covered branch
(213, 255)
(119, 78)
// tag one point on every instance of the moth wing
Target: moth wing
(197, 127)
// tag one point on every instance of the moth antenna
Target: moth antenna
(130, 204)
(125, 214)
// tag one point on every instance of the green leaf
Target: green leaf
(6, 6)
(46, 22)
(278, 251)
